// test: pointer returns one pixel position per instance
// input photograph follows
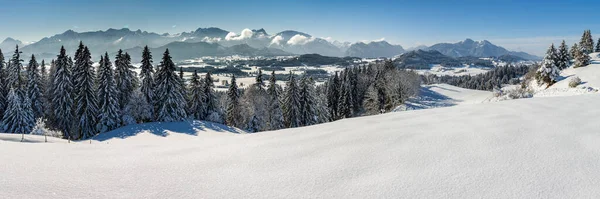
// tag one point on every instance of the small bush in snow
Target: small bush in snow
(574, 82)
(40, 129)
(519, 93)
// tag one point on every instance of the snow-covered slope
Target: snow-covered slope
(529, 148)
(589, 75)
(443, 95)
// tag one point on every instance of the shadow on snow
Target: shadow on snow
(164, 129)
(427, 99)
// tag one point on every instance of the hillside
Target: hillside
(491, 150)
(589, 75)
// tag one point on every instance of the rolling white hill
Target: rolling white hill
(528, 148)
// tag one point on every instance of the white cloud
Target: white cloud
(277, 40)
(246, 34)
(299, 40)
(329, 39)
(370, 41)
(211, 40)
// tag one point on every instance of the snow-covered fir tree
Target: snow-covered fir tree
(597, 46)
(62, 101)
(146, 76)
(108, 113)
(49, 94)
(333, 95)
(14, 70)
(587, 42)
(212, 112)
(125, 78)
(18, 117)
(86, 101)
(138, 110)
(321, 104)
(574, 50)
(196, 107)
(308, 112)
(291, 103)
(275, 119)
(170, 100)
(44, 84)
(346, 101)
(581, 58)
(562, 58)
(34, 88)
(255, 102)
(233, 117)
(3, 81)
(548, 72)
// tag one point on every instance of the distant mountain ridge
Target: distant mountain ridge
(9, 44)
(484, 48)
(374, 49)
(286, 42)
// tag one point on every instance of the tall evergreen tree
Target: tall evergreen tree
(308, 115)
(44, 80)
(146, 74)
(291, 103)
(581, 58)
(49, 94)
(598, 46)
(211, 106)
(86, 100)
(574, 50)
(62, 101)
(346, 101)
(255, 102)
(233, 104)
(548, 72)
(587, 42)
(563, 60)
(34, 88)
(195, 100)
(275, 120)
(124, 78)
(18, 117)
(14, 78)
(333, 95)
(169, 92)
(108, 114)
(3, 89)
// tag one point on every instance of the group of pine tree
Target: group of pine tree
(556, 60)
(82, 100)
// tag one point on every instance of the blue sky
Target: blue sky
(516, 24)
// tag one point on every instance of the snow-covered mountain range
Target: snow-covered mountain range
(257, 42)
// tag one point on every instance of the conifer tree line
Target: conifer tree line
(82, 99)
(559, 59)
(493, 79)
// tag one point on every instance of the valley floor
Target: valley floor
(528, 148)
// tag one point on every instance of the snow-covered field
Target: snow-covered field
(453, 71)
(529, 148)
(443, 95)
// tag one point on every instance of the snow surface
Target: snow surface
(440, 70)
(443, 95)
(528, 148)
